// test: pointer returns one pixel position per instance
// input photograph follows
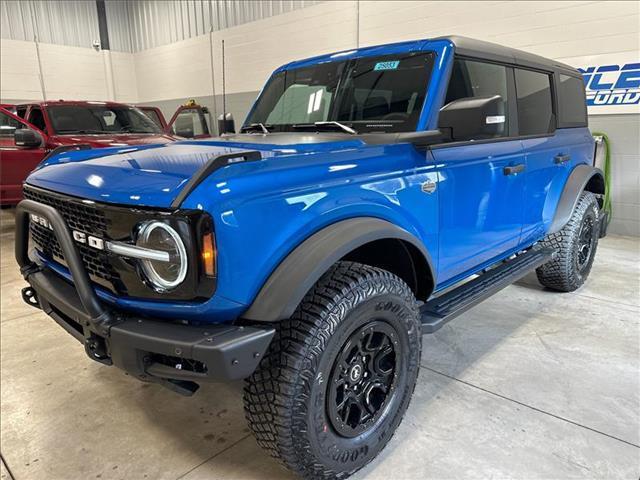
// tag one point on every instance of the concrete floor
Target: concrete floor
(530, 385)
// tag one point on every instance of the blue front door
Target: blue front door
(481, 195)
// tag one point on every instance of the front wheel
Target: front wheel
(339, 374)
(575, 247)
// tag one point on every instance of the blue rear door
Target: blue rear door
(549, 161)
(550, 153)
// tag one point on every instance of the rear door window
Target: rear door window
(535, 102)
(572, 104)
(471, 78)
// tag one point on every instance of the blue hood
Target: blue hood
(154, 175)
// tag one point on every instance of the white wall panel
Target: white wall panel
(124, 77)
(73, 73)
(68, 72)
(551, 29)
(19, 77)
(181, 69)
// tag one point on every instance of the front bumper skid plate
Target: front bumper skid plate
(177, 355)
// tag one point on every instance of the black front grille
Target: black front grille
(82, 217)
(119, 223)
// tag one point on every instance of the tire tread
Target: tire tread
(274, 396)
(560, 274)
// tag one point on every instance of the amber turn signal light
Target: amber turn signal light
(209, 254)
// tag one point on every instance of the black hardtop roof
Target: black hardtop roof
(471, 47)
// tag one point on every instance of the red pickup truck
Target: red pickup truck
(29, 132)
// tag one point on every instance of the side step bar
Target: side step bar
(438, 311)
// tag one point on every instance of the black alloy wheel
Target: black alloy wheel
(363, 378)
(585, 243)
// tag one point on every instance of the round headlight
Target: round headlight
(163, 275)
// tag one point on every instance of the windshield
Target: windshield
(371, 94)
(99, 119)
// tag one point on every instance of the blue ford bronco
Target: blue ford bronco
(371, 196)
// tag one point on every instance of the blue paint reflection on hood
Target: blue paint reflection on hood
(151, 175)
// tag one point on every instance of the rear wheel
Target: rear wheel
(339, 374)
(576, 246)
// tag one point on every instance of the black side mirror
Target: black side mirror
(226, 124)
(474, 118)
(25, 137)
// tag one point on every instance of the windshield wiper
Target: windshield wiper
(330, 124)
(255, 127)
(73, 132)
(131, 130)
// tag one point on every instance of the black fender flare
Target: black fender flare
(583, 177)
(302, 268)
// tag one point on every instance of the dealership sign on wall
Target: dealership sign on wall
(612, 82)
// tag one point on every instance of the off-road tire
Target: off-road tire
(287, 398)
(564, 273)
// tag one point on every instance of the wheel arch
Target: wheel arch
(582, 178)
(364, 239)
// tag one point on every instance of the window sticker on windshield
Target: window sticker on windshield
(387, 65)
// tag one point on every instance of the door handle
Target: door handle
(513, 169)
(561, 158)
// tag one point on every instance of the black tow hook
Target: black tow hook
(30, 297)
(96, 348)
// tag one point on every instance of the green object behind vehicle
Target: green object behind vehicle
(606, 167)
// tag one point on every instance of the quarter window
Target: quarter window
(535, 103)
(471, 78)
(572, 104)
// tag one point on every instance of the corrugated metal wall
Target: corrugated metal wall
(134, 25)
(153, 23)
(62, 22)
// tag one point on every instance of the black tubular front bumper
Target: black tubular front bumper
(176, 355)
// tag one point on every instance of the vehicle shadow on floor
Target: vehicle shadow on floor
(210, 425)
(445, 357)
(441, 352)
(448, 351)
